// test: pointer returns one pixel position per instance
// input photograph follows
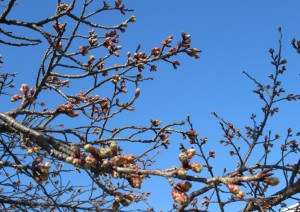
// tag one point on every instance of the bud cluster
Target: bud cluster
(110, 41)
(67, 109)
(93, 38)
(26, 93)
(124, 199)
(41, 173)
(32, 150)
(185, 158)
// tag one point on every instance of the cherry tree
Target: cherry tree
(59, 127)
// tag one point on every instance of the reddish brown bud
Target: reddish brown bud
(84, 50)
(135, 182)
(63, 6)
(273, 181)
(91, 59)
(184, 186)
(15, 98)
(180, 197)
(115, 206)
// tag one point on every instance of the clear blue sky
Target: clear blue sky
(234, 36)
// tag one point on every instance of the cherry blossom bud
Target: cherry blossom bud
(30, 151)
(91, 161)
(45, 176)
(63, 6)
(180, 197)
(72, 113)
(113, 146)
(106, 164)
(137, 92)
(183, 158)
(136, 182)
(88, 147)
(190, 153)
(184, 186)
(119, 196)
(69, 159)
(75, 150)
(196, 167)
(115, 174)
(132, 19)
(84, 50)
(15, 98)
(91, 59)
(24, 89)
(240, 194)
(233, 188)
(115, 206)
(37, 161)
(116, 161)
(273, 181)
(181, 173)
(36, 149)
(76, 162)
